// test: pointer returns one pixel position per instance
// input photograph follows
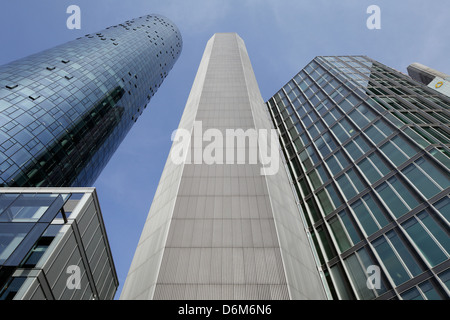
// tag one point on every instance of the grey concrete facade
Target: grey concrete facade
(224, 231)
(424, 74)
(432, 78)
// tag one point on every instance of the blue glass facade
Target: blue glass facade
(368, 149)
(64, 111)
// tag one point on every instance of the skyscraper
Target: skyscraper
(222, 226)
(64, 111)
(368, 149)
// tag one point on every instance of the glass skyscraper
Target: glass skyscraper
(368, 149)
(64, 111)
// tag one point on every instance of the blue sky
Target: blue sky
(281, 36)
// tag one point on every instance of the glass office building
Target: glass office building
(368, 148)
(64, 111)
(53, 245)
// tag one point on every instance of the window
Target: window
(9, 291)
(322, 173)
(378, 131)
(304, 138)
(298, 78)
(315, 180)
(340, 235)
(419, 139)
(304, 187)
(304, 158)
(396, 197)
(373, 168)
(357, 147)
(345, 105)
(292, 95)
(312, 154)
(395, 119)
(336, 113)
(357, 265)
(320, 127)
(292, 131)
(338, 94)
(350, 184)
(396, 258)
(308, 157)
(441, 155)
(429, 236)
(362, 116)
(353, 150)
(298, 144)
(325, 144)
(328, 199)
(11, 235)
(429, 290)
(324, 106)
(369, 214)
(314, 100)
(412, 294)
(426, 177)
(289, 110)
(425, 290)
(296, 103)
(336, 163)
(28, 207)
(443, 206)
(313, 210)
(398, 150)
(299, 129)
(332, 116)
(342, 288)
(419, 131)
(438, 133)
(36, 253)
(344, 231)
(343, 130)
(290, 150)
(5, 201)
(445, 278)
(307, 121)
(318, 176)
(313, 131)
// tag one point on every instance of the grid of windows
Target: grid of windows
(64, 111)
(370, 150)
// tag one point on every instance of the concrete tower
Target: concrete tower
(230, 228)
